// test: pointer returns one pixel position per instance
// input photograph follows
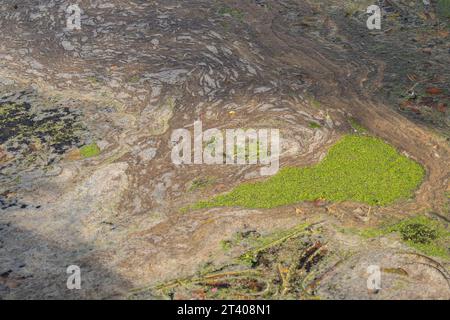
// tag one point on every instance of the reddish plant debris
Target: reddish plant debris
(442, 107)
(434, 90)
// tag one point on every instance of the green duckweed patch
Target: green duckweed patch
(427, 235)
(357, 168)
(90, 150)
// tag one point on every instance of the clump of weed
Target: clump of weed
(418, 233)
(249, 151)
(259, 243)
(422, 233)
(201, 183)
(314, 125)
(226, 245)
(356, 126)
(357, 168)
(90, 150)
(233, 12)
(284, 264)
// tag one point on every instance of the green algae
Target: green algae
(23, 128)
(357, 168)
(90, 150)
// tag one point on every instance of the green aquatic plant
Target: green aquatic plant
(356, 126)
(24, 127)
(263, 243)
(418, 233)
(314, 125)
(357, 168)
(427, 235)
(233, 12)
(201, 183)
(90, 150)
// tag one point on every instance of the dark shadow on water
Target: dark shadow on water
(32, 267)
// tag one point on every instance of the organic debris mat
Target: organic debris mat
(284, 265)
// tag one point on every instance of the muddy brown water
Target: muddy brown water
(138, 70)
